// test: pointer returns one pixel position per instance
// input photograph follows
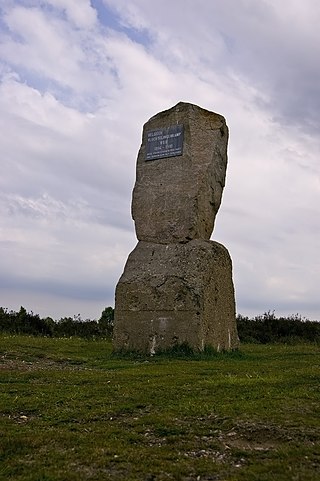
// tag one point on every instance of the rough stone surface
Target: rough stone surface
(176, 199)
(176, 293)
(177, 284)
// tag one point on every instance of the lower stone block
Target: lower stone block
(173, 294)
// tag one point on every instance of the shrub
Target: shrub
(268, 328)
(23, 322)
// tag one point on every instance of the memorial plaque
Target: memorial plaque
(166, 142)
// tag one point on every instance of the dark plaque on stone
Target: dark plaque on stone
(166, 142)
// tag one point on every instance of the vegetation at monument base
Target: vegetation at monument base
(70, 410)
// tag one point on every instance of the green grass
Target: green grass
(70, 410)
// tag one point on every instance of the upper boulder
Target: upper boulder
(180, 175)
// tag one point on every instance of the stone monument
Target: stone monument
(177, 285)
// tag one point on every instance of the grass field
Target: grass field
(70, 411)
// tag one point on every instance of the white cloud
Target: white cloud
(42, 110)
(41, 44)
(79, 12)
(57, 57)
(271, 45)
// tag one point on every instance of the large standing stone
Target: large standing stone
(177, 284)
(175, 199)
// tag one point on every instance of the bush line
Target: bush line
(264, 329)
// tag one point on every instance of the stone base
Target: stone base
(173, 294)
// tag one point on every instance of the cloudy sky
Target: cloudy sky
(79, 79)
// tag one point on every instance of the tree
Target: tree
(106, 322)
